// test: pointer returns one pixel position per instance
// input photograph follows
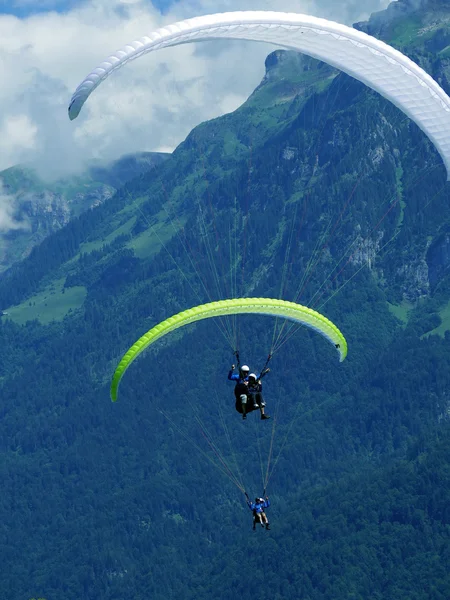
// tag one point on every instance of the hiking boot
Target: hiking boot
(264, 417)
(267, 527)
(244, 416)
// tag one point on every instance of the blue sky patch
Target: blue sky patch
(24, 8)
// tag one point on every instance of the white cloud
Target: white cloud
(150, 105)
(17, 134)
(7, 206)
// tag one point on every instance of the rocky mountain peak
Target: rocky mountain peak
(380, 23)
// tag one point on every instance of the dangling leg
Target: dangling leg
(243, 398)
(253, 400)
(260, 400)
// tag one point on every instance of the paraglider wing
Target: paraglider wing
(264, 306)
(362, 56)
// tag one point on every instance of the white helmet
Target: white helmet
(245, 369)
(252, 376)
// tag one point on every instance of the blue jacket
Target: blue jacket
(236, 377)
(258, 507)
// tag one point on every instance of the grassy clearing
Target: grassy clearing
(445, 325)
(51, 304)
(406, 32)
(401, 311)
(232, 146)
(126, 228)
(150, 241)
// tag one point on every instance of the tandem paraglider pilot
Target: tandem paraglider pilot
(248, 391)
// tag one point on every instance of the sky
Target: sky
(48, 46)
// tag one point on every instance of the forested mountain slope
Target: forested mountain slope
(39, 207)
(315, 189)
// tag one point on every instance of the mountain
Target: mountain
(315, 189)
(40, 207)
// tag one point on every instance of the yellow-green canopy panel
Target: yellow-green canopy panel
(261, 306)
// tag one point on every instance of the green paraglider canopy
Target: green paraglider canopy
(262, 306)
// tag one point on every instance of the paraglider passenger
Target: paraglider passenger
(254, 394)
(240, 389)
(259, 516)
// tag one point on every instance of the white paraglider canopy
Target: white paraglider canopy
(371, 61)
